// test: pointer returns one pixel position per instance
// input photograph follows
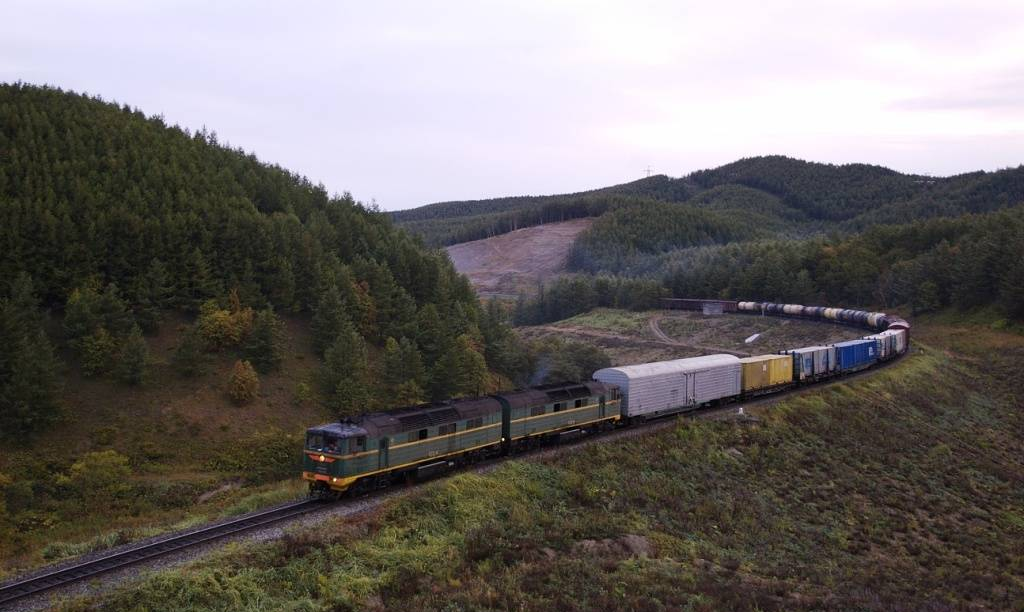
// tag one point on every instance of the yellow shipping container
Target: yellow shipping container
(765, 371)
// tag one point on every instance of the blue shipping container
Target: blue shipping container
(855, 354)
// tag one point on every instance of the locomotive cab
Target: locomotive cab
(329, 451)
(320, 441)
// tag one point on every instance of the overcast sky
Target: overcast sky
(417, 102)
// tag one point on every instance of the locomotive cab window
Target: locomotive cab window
(357, 445)
(422, 434)
(578, 403)
(315, 441)
(558, 407)
(323, 443)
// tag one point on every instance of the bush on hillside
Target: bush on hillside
(244, 384)
(98, 478)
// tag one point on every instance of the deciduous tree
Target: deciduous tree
(244, 384)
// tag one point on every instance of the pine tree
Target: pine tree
(343, 375)
(24, 302)
(329, 319)
(132, 362)
(153, 293)
(282, 285)
(29, 381)
(81, 314)
(430, 334)
(504, 352)
(1011, 290)
(461, 371)
(926, 298)
(408, 393)
(114, 312)
(244, 384)
(97, 350)
(198, 284)
(403, 375)
(265, 345)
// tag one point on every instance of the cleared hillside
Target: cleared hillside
(518, 261)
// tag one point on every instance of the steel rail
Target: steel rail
(61, 576)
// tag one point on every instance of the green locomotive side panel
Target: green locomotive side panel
(555, 416)
(405, 452)
(407, 448)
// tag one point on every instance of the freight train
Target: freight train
(375, 450)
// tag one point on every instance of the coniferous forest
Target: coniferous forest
(110, 219)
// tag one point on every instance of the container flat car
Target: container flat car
(855, 355)
(763, 373)
(812, 363)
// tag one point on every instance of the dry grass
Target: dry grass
(176, 433)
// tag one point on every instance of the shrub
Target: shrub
(221, 328)
(244, 384)
(303, 394)
(263, 457)
(99, 478)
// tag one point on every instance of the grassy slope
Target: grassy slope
(174, 431)
(902, 490)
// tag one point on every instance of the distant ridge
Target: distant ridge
(823, 196)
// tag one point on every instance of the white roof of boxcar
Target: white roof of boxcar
(805, 349)
(691, 364)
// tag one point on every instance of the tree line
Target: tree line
(964, 262)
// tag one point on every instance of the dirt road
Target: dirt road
(653, 323)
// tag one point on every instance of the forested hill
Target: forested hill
(110, 219)
(862, 194)
(94, 192)
(446, 223)
(802, 196)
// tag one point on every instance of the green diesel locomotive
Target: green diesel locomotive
(372, 450)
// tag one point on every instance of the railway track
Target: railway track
(85, 570)
(62, 576)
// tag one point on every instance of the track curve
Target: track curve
(58, 577)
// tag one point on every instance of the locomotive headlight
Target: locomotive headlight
(334, 479)
(322, 458)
